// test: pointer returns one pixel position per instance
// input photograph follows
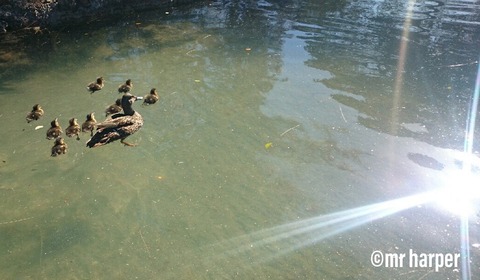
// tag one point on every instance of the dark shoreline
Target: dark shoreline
(34, 27)
(39, 14)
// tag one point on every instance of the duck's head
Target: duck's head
(73, 121)
(129, 82)
(153, 91)
(118, 102)
(59, 141)
(127, 101)
(36, 107)
(91, 117)
(55, 123)
(100, 80)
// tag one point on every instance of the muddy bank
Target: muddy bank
(39, 14)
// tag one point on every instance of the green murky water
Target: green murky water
(272, 117)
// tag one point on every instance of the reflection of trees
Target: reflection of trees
(359, 45)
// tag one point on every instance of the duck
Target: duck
(126, 87)
(89, 124)
(55, 130)
(96, 86)
(59, 147)
(73, 128)
(114, 108)
(151, 98)
(118, 126)
(35, 114)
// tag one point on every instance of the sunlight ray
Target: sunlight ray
(467, 167)
(402, 55)
(292, 236)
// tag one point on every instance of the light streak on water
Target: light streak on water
(467, 167)
(295, 235)
(402, 55)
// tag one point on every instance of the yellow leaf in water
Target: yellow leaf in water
(268, 145)
(197, 81)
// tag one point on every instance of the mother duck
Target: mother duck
(118, 126)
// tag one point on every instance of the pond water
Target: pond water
(291, 141)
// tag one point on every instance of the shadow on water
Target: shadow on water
(24, 51)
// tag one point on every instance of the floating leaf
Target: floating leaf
(268, 145)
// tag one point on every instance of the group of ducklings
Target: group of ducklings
(97, 85)
(74, 129)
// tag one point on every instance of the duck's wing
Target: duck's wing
(105, 136)
(116, 121)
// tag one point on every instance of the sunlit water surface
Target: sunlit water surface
(272, 117)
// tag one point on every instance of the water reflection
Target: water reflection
(439, 49)
(203, 195)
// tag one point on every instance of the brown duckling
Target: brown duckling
(35, 114)
(95, 86)
(126, 87)
(89, 124)
(114, 108)
(151, 98)
(73, 128)
(55, 130)
(59, 147)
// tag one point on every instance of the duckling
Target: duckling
(35, 114)
(89, 124)
(73, 128)
(95, 86)
(118, 126)
(126, 87)
(55, 130)
(114, 108)
(59, 147)
(151, 98)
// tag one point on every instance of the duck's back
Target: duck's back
(116, 127)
